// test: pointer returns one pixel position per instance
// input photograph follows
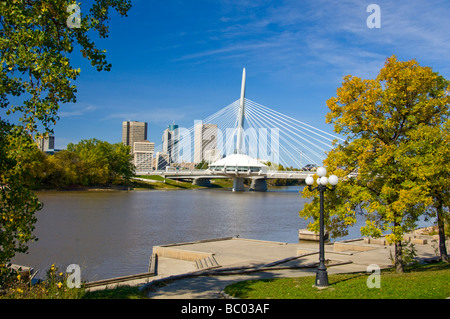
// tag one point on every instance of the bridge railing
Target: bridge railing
(207, 172)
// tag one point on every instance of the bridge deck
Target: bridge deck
(194, 174)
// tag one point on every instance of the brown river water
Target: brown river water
(112, 233)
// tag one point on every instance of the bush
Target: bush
(55, 286)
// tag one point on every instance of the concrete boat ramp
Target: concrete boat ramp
(202, 269)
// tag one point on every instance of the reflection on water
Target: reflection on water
(111, 234)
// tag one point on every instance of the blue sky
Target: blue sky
(182, 60)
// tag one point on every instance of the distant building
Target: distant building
(46, 144)
(170, 142)
(133, 131)
(186, 165)
(161, 161)
(212, 155)
(143, 155)
(205, 140)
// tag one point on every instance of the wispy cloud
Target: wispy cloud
(327, 33)
(76, 110)
(242, 47)
(160, 116)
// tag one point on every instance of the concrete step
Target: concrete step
(206, 263)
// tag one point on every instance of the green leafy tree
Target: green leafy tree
(94, 155)
(122, 167)
(377, 117)
(17, 202)
(36, 78)
(103, 163)
(35, 46)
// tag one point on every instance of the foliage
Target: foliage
(159, 182)
(281, 181)
(409, 253)
(36, 77)
(102, 163)
(62, 170)
(17, 202)
(379, 117)
(429, 148)
(53, 287)
(202, 165)
(35, 48)
(422, 282)
(88, 163)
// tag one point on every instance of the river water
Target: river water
(112, 233)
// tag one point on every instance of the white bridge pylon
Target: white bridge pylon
(249, 140)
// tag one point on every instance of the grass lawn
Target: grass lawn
(158, 182)
(420, 282)
(121, 292)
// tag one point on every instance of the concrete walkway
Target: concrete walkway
(180, 275)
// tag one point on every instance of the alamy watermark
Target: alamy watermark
(74, 279)
(374, 19)
(374, 279)
(74, 20)
(208, 140)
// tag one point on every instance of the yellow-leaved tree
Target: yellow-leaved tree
(382, 176)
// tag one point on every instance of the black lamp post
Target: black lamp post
(322, 181)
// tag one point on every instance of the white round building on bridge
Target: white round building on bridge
(238, 163)
(240, 166)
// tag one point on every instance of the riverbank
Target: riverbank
(155, 182)
(182, 271)
(159, 182)
(141, 182)
(178, 272)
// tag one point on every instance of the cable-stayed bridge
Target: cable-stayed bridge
(244, 140)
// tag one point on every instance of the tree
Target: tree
(103, 163)
(62, 170)
(429, 154)
(377, 117)
(17, 202)
(35, 47)
(122, 167)
(36, 77)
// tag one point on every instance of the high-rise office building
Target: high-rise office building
(143, 156)
(133, 131)
(205, 140)
(46, 144)
(170, 142)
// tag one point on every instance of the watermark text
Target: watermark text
(374, 19)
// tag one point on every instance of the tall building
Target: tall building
(161, 161)
(170, 142)
(205, 140)
(143, 155)
(46, 144)
(133, 131)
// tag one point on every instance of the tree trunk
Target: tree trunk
(398, 253)
(441, 227)
(399, 267)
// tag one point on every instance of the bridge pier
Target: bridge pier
(204, 182)
(238, 184)
(258, 185)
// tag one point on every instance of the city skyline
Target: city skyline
(181, 61)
